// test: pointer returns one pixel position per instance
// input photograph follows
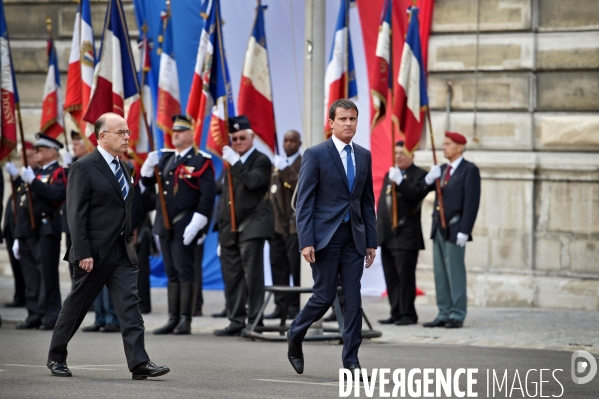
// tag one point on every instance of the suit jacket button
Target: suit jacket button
(171, 173)
(437, 207)
(167, 182)
(165, 193)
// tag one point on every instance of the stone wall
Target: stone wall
(534, 135)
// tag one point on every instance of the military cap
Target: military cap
(238, 123)
(43, 140)
(181, 123)
(75, 135)
(456, 137)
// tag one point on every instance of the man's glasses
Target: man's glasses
(238, 138)
(120, 133)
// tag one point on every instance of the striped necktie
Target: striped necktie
(120, 177)
(350, 175)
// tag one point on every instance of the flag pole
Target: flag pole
(228, 166)
(167, 222)
(394, 216)
(25, 164)
(437, 181)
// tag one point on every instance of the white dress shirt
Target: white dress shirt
(46, 166)
(340, 145)
(183, 153)
(108, 158)
(245, 156)
(454, 165)
(291, 159)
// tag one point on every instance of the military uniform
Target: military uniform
(400, 246)
(189, 189)
(40, 248)
(285, 258)
(242, 251)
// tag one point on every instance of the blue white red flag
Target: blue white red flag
(52, 121)
(411, 96)
(8, 92)
(381, 77)
(340, 74)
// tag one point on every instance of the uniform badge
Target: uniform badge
(188, 171)
(273, 189)
(45, 178)
(389, 189)
(132, 180)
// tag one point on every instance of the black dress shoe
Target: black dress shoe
(405, 321)
(452, 323)
(295, 355)
(228, 332)
(47, 327)
(14, 304)
(92, 328)
(148, 369)
(220, 314)
(58, 369)
(354, 367)
(390, 320)
(434, 323)
(29, 325)
(109, 328)
(274, 315)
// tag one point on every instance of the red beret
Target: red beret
(456, 137)
(28, 145)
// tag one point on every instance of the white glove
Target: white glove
(395, 175)
(280, 162)
(462, 239)
(147, 169)
(201, 239)
(218, 250)
(67, 159)
(27, 174)
(230, 155)
(433, 174)
(15, 249)
(198, 221)
(12, 169)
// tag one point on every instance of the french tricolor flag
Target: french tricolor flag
(115, 79)
(80, 75)
(168, 82)
(411, 96)
(8, 89)
(52, 121)
(255, 93)
(381, 76)
(340, 79)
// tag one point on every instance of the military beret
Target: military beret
(28, 145)
(43, 140)
(456, 137)
(238, 123)
(181, 122)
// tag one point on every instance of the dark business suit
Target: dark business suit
(242, 252)
(400, 246)
(461, 199)
(100, 223)
(323, 199)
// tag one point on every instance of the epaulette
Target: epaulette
(167, 150)
(205, 154)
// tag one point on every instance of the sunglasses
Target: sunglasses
(235, 139)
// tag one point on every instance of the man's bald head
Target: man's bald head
(112, 133)
(292, 142)
(100, 125)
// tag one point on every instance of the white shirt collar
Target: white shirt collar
(184, 152)
(291, 159)
(454, 165)
(46, 166)
(340, 145)
(106, 155)
(245, 156)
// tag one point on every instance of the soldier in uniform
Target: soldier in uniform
(460, 182)
(284, 246)
(400, 245)
(8, 233)
(188, 183)
(39, 248)
(241, 251)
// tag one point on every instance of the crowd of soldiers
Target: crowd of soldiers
(254, 205)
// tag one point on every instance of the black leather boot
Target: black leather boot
(188, 299)
(174, 309)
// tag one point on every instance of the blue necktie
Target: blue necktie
(120, 177)
(350, 175)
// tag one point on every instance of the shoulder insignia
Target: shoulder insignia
(205, 154)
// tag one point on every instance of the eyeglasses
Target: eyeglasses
(238, 138)
(120, 133)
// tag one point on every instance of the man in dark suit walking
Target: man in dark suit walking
(460, 182)
(336, 226)
(400, 245)
(99, 201)
(242, 251)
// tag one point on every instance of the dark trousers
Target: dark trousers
(399, 267)
(143, 276)
(198, 259)
(178, 258)
(15, 265)
(48, 257)
(104, 309)
(120, 276)
(285, 261)
(243, 273)
(338, 261)
(33, 278)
